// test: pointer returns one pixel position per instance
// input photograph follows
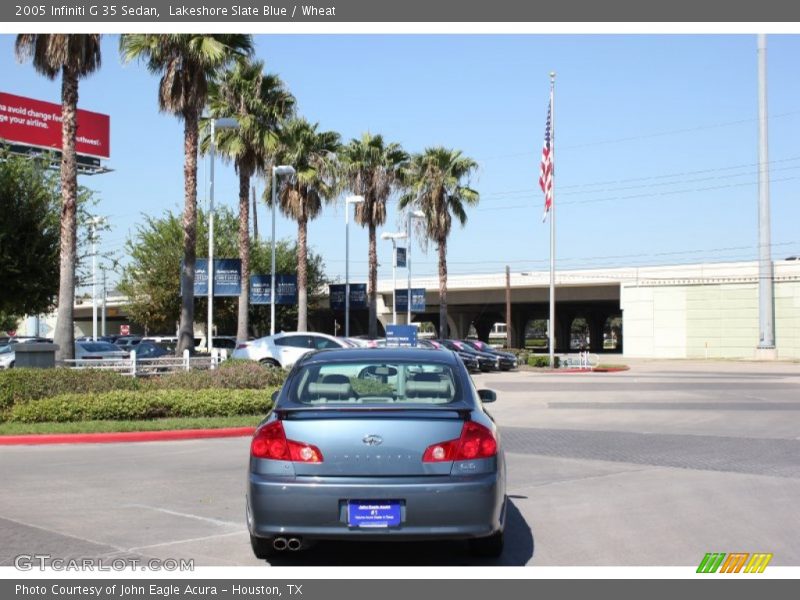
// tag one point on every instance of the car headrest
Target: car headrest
(331, 391)
(335, 378)
(429, 389)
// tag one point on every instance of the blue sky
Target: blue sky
(655, 140)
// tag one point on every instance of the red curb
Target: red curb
(124, 436)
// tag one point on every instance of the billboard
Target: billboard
(30, 122)
(358, 296)
(285, 289)
(417, 299)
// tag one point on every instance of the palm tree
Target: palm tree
(259, 102)
(186, 63)
(434, 186)
(313, 155)
(74, 56)
(371, 169)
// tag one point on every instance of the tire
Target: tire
(270, 362)
(487, 547)
(262, 547)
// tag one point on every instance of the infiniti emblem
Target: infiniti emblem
(372, 440)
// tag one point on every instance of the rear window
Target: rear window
(375, 383)
(99, 347)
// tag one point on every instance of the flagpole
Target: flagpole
(552, 343)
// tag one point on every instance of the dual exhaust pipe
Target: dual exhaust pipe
(280, 544)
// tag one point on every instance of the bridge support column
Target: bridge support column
(596, 322)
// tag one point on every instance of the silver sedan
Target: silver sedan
(377, 444)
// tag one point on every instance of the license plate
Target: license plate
(373, 513)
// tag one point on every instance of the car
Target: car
(128, 342)
(470, 360)
(486, 362)
(98, 351)
(507, 360)
(149, 350)
(377, 444)
(7, 356)
(283, 349)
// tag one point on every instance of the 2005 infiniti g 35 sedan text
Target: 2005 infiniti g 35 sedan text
(377, 444)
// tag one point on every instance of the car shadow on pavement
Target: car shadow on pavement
(518, 551)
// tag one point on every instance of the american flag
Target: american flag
(546, 168)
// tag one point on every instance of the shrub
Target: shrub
(18, 386)
(231, 375)
(541, 360)
(150, 404)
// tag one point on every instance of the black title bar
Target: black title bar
(440, 11)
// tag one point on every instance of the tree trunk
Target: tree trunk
(372, 287)
(302, 274)
(186, 328)
(442, 288)
(244, 254)
(64, 334)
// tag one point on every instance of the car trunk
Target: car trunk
(356, 443)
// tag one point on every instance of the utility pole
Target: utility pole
(508, 306)
(766, 311)
(255, 216)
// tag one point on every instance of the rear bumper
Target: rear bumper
(432, 507)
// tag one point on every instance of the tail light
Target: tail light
(270, 443)
(476, 441)
(243, 345)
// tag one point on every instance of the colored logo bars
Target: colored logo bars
(734, 563)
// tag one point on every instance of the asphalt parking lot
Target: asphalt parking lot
(654, 466)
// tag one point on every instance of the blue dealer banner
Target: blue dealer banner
(358, 296)
(285, 289)
(227, 277)
(417, 300)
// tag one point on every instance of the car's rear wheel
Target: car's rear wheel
(270, 362)
(487, 547)
(262, 547)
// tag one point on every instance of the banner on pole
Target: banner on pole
(417, 300)
(285, 289)
(227, 277)
(358, 296)
(401, 258)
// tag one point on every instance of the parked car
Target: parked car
(128, 342)
(7, 356)
(377, 444)
(507, 360)
(284, 349)
(486, 362)
(149, 350)
(98, 350)
(470, 360)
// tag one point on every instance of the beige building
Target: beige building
(699, 311)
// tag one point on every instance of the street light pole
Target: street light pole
(348, 201)
(94, 221)
(414, 214)
(210, 267)
(222, 124)
(279, 170)
(394, 237)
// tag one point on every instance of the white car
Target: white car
(7, 356)
(283, 349)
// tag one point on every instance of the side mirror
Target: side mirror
(275, 397)
(487, 396)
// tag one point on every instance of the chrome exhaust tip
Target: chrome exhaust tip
(294, 544)
(279, 544)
